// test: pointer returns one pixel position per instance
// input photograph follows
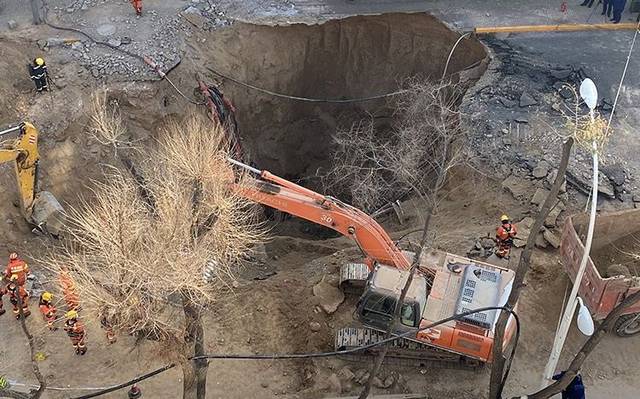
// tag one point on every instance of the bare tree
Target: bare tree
(380, 166)
(151, 268)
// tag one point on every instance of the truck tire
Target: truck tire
(627, 325)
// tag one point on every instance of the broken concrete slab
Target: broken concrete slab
(514, 184)
(329, 297)
(551, 238)
(541, 242)
(508, 103)
(527, 100)
(541, 170)
(580, 178)
(524, 230)
(552, 218)
(539, 196)
(615, 173)
(12, 24)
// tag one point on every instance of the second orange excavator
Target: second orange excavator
(446, 284)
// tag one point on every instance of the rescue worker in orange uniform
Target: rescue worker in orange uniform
(76, 332)
(137, 5)
(14, 290)
(108, 330)
(48, 310)
(504, 237)
(16, 267)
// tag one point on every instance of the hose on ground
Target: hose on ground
(163, 75)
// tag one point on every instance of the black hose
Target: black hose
(325, 354)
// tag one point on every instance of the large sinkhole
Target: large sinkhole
(349, 58)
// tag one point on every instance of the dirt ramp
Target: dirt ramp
(348, 58)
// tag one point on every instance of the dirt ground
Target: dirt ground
(273, 310)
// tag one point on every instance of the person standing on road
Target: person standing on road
(137, 5)
(618, 8)
(589, 3)
(607, 7)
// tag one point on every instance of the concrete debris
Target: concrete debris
(636, 197)
(552, 218)
(541, 242)
(515, 185)
(560, 74)
(615, 173)
(527, 100)
(115, 42)
(314, 326)
(362, 376)
(329, 297)
(346, 375)
(333, 383)
(541, 170)
(539, 196)
(551, 238)
(524, 230)
(508, 103)
(12, 24)
(521, 119)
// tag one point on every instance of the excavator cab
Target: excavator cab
(377, 304)
(39, 208)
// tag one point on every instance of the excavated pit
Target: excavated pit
(349, 58)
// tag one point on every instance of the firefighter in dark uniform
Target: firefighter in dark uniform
(39, 74)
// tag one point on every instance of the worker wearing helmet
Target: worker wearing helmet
(505, 234)
(137, 5)
(48, 310)
(76, 332)
(39, 74)
(16, 267)
(18, 294)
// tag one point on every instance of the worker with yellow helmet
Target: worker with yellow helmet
(48, 310)
(505, 234)
(76, 332)
(39, 74)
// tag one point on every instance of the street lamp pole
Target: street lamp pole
(589, 94)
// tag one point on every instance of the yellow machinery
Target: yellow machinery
(40, 208)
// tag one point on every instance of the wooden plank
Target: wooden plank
(554, 28)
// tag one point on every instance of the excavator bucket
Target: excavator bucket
(47, 213)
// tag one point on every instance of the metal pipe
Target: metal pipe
(10, 130)
(244, 166)
(446, 66)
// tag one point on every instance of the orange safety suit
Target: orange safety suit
(137, 5)
(504, 236)
(14, 290)
(48, 313)
(68, 290)
(76, 332)
(17, 267)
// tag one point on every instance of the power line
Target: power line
(307, 99)
(320, 354)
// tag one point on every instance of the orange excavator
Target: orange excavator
(446, 284)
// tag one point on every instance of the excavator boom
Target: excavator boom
(327, 211)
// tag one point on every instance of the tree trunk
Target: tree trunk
(606, 326)
(396, 312)
(195, 336)
(189, 385)
(35, 10)
(32, 348)
(498, 366)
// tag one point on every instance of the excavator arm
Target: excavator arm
(24, 151)
(345, 219)
(38, 207)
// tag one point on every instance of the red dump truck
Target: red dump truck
(612, 271)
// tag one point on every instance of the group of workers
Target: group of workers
(611, 8)
(15, 276)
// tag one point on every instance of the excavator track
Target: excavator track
(402, 352)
